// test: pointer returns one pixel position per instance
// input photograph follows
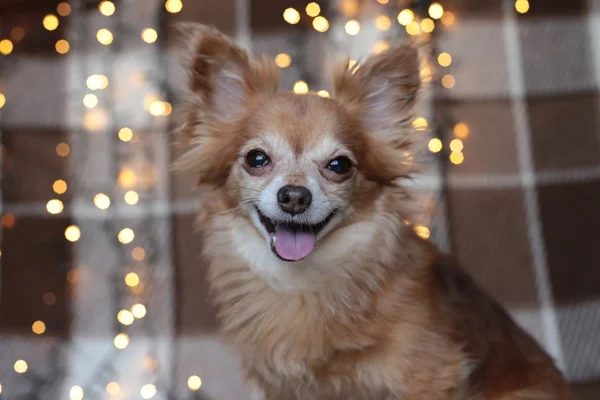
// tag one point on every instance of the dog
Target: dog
(321, 286)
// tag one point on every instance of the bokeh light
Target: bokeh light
(126, 235)
(131, 197)
(104, 36)
(62, 46)
(148, 391)
(121, 341)
(320, 24)
(444, 59)
(291, 16)
(383, 22)
(436, 11)
(313, 9)
(138, 253)
(76, 393)
(101, 201)
(125, 134)
(132, 279)
(106, 8)
(138, 310)
(435, 145)
(6, 47)
(461, 130)
(405, 17)
(125, 317)
(38, 327)
(59, 186)
(54, 206)
(50, 22)
(173, 6)
(300, 87)
(72, 233)
(194, 383)
(149, 35)
(283, 60)
(20, 366)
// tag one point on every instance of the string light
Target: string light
(352, 27)
(101, 201)
(127, 178)
(125, 134)
(413, 28)
(138, 253)
(173, 6)
(6, 47)
(76, 393)
(323, 93)
(104, 36)
(59, 186)
(63, 149)
(138, 310)
(54, 206)
(422, 231)
(113, 388)
(126, 236)
(461, 130)
(2, 100)
(405, 17)
(131, 197)
(291, 16)
(148, 391)
(17, 33)
(457, 157)
(62, 46)
(383, 22)
(313, 9)
(50, 22)
(194, 383)
(106, 8)
(90, 100)
(121, 341)
(448, 81)
(63, 9)
(444, 59)
(283, 60)
(132, 279)
(157, 108)
(379, 46)
(435, 145)
(320, 24)
(95, 82)
(436, 11)
(149, 35)
(72, 233)
(125, 317)
(448, 18)
(300, 87)
(456, 145)
(522, 6)
(38, 327)
(20, 366)
(420, 124)
(427, 25)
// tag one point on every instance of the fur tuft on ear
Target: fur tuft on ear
(222, 79)
(382, 91)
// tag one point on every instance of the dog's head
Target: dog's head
(296, 169)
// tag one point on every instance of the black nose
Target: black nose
(294, 199)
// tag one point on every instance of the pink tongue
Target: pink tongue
(292, 244)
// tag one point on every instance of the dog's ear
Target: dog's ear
(222, 78)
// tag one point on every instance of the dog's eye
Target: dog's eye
(257, 159)
(340, 165)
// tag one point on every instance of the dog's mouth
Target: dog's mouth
(292, 241)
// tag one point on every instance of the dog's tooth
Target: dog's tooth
(274, 239)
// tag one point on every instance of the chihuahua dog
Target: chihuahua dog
(323, 289)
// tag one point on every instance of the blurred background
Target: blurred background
(102, 291)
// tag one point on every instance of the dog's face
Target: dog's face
(296, 168)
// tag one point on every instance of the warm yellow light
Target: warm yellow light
(127, 178)
(6, 47)
(38, 327)
(444, 59)
(148, 391)
(174, 6)
(420, 124)
(435, 145)
(106, 8)
(323, 93)
(20, 366)
(194, 383)
(17, 33)
(425, 73)
(320, 24)
(168, 108)
(132, 279)
(8, 220)
(104, 36)
(427, 25)
(113, 388)
(149, 35)
(125, 317)
(138, 289)
(405, 17)
(461, 130)
(125, 134)
(121, 341)
(383, 22)
(413, 28)
(291, 16)
(72, 233)
(352, 27)
(101, 201)
(436, 11)
(157, 108)
(63, 149)
(380, 45)
(383, 1)
(422, 231)
(522, 6)
(90, 100)
(95, 82)
(59, 186)
(300, 87)
(351, 64)
(126, 235)
(63, 9)
(54, 206)
(2, 100)
(62, 46)
(50, 22)
(138, 253)
(313, 9)
(283, 60)
(448, 18)
(448, 81)
(138, 310)
(76, 393)
(456, 157)
(131, 197)
(0, 389)
(456, 145)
